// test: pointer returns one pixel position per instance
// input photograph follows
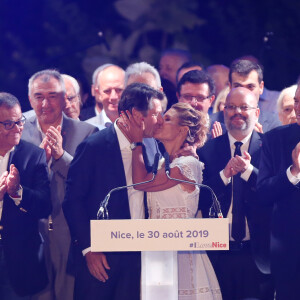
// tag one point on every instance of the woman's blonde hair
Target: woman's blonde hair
(195, 120)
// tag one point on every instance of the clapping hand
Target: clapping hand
(54, 141)
(13, 181)
(3, 186)
(237, 164)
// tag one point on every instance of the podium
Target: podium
(159, 240)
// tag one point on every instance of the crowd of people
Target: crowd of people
(220, 126)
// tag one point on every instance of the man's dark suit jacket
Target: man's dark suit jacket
(215, 155)
(96, 169)
(266, 119)
(21, 239)
(276, 190)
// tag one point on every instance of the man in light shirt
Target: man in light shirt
(108, 91)
(24, 199)
(59, 135)
(103, 162)
(231, 168)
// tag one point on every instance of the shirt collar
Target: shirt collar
(123, 141)
(40, 129)
(232, 140)
(104, 118)
(7, 153)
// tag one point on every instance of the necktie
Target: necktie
(238, 209)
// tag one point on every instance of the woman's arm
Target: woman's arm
(161, 181)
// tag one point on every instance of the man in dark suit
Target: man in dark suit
(101, 163)
(59, 136)
(231, 167)
(247, 74)
(24, 199)
(279, 186)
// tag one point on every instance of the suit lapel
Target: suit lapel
(65, 128)
(224, 150)
(255, 142)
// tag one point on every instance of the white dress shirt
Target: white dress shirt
(135, 197)
(101, 120)
(245, 176)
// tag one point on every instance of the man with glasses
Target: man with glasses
(73, 101)
(59, 135)
(231, 167)
(24, 199)
(196, 88)
(247, 74)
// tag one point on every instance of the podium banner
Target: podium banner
(159, 235)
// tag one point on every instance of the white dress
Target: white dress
(196, 276)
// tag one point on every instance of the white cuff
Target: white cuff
(224, 178)
(18, 199)
(293, 179)
(85, 251)
(246, 175)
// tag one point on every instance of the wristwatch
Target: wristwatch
(134, 145)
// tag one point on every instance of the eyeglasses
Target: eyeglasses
(242, 107)
(8, 125)
(73, 99)
(190, 98)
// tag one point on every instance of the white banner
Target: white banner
(159, 235)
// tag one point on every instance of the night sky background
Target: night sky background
(62, 34)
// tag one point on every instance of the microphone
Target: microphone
(102, 211)
(167, 163)
(215, 208)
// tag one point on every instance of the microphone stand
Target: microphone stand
(215, 208)
(102, 211)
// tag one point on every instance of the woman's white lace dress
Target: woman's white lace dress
(197, 279)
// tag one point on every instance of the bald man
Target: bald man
(231, 168)
(108, 90)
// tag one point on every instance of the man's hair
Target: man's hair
(289, 91)
(45, 76)
(141, 68)
(8, 100)
(98, 70)
(243, 67)
(196, 76)
(73, 81)
(188, 64)
(138, 96)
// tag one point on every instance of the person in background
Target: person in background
(170, 61)
(231, 169)
(186, 67)
(220, 100)
(24, 199)
(278, 186)
(108, 90)
(93, 110)
(145, 73)
(73, 100)
(220, 75)
(59, 136)
(285, 105)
